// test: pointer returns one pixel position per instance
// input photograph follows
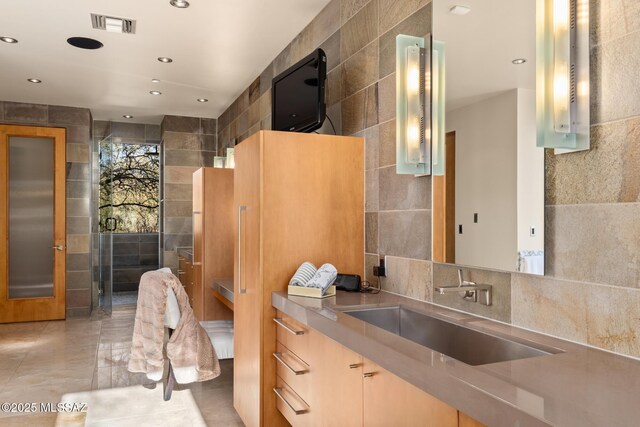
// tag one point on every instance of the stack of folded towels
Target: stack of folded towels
(309, 276)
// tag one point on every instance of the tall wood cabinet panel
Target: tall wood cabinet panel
(298, 197)
(212, 239)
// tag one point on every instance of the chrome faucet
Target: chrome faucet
(469, 289)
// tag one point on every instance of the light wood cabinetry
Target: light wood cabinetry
(330, 385)
(298, 197)
(212, 239)
(185, 275)
(388, 400)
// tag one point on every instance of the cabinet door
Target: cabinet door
(391, 401)
(247, 285)
(336, 375)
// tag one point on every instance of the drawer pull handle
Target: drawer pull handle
(367, 374)
(279, 358)
(354, 366)
(278, 392)
(287, 327)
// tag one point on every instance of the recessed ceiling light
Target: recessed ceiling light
(8, 39)
(34, 80)
(181, 4)
(155, 92)
(84, 43)
(127, 116)
(459, 10)
(203, 100)
(155, 81)
(518, 61)
(165, 60)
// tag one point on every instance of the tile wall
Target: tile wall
(188, 143)
(593, 203)
(77, 122)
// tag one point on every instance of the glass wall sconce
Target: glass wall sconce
(219, 162)
(562, 75)
(438, 104)
(413, 105)
(230, 163)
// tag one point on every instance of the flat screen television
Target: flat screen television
(298, 95)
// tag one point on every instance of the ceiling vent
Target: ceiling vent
(113, 24)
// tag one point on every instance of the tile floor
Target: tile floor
(41, 361)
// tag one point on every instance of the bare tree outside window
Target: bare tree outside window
(129, 178)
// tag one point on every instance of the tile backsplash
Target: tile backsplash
(592, 198)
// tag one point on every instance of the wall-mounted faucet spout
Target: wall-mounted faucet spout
(470, 290)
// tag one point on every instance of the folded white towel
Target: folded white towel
(304, 273)
(324, 277)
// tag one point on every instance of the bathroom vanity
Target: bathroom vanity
(348, 341)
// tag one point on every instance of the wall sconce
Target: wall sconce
(413, 105)
(562, 75)
(230, 163)
(438, 105)
(219, 161)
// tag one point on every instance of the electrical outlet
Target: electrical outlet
(380, 270)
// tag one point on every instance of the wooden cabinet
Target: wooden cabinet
(185, 275)
(322, 383)
(389, 400)
(212, 239)
(297, 197)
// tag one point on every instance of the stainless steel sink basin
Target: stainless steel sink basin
(466, 345)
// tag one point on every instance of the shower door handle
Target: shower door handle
(108, 221)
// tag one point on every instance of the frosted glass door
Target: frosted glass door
(31, 217)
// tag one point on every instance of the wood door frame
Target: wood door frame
(444, 209)
(47, 308)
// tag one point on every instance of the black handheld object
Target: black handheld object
(348, 282)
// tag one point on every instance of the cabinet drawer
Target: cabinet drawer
(293, 371)
(294, 409)
(294, 336)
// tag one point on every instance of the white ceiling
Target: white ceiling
(218, 47)
(480, 46)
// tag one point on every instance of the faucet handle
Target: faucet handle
(462, 282)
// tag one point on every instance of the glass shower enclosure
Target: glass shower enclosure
(103, 236)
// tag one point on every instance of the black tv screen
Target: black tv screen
(298, 95)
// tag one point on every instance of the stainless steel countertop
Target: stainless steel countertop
(581, 386)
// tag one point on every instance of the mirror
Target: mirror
(488, 207)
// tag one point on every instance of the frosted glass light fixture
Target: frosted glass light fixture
(219, 161)
(438, 107)
(413, 105)
(562, 75)
(230, 163)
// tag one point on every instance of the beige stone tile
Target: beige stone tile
(181, 141)
(180, 124)
(179, 208)
(371, 143)
(371, 191)
(179, 174)
(325, 23)
(551, 306)
(69, 115)
(78, 243)
(612, 19)
(361, 70)
(182, 158)
(353, 113)
(607, 173)
(394, 11)
(500, 309)
(24, 420)
(350, 8)
(403, 192)
(77, 207)
(25, 113)
(371, 232)
(408, 277)
(614, 76)
(178, 192)
(78, 153)
(360, 30)
(334, 86)
(387, 98)
(613, 318)
(594, 243)
(405, 234)
(418, 24)
(387, 143)
(371, 106)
